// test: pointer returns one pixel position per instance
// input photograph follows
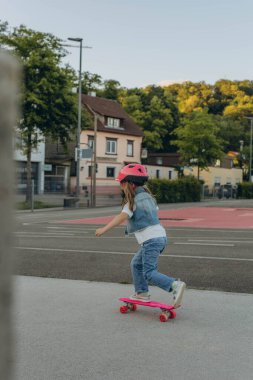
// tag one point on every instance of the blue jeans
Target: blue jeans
(144, 266)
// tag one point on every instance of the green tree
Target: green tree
(198, 141)
(156, 123)
(91, 82)
(111, 89)
(155, 111)
(232, 130)
(49, 108)
(160, 119)
(133, 106)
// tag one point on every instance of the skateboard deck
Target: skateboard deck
(168, 311)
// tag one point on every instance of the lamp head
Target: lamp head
(75, 39)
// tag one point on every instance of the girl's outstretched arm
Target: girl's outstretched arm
(117, 220)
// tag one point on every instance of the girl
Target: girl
(140, 212)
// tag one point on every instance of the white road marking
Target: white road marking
(208, 244)
(131, 254)
(229, 230)
(61, 233)
(80, 226)
(77, 234)
(221, 241)
(73, 236)
(207, 238)
(43, 236)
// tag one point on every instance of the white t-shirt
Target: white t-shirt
(147, 233)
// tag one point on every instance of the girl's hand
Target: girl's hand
(100, 231)
(118, 219)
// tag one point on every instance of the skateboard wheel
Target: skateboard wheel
(133, 307)
(163, 317)
(123, 309)
(173, 314)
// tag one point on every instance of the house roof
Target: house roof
(166, 159)
(111, 108)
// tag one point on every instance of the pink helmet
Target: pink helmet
(133, 173)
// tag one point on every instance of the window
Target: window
(110, 172)
(113, 123)
(217, 181)
(60, 170)
(159, 160)
(130, 148)
(91, 141)
(111, 146)
(157, 173)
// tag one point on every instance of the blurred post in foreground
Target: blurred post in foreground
(9, 76)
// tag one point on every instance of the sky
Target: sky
(144, 42)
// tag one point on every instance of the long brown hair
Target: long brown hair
(129, 194)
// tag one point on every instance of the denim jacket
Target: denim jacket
(145, 213)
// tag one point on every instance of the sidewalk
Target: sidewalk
(71, 330)
(57, 200)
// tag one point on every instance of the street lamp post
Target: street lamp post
(250, 147)
(80, 40)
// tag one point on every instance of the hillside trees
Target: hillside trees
(191, 97)
(159, 110)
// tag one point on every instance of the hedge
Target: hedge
(245, 190)
(185, 189)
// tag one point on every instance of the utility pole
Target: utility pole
(79, 129)
(80, 40)
(9, 78)
(94, 166)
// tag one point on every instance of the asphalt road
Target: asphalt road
(216, 259)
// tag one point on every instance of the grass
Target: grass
(37, 205)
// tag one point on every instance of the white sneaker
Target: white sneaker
(178, 292)
(144, 297)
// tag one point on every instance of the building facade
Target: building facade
(59, 166)
(118, 143)
(215, 177)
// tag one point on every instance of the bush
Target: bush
(185, 189)
(245, 190)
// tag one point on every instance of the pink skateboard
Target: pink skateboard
(168, 311)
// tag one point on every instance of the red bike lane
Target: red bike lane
(194, 217)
